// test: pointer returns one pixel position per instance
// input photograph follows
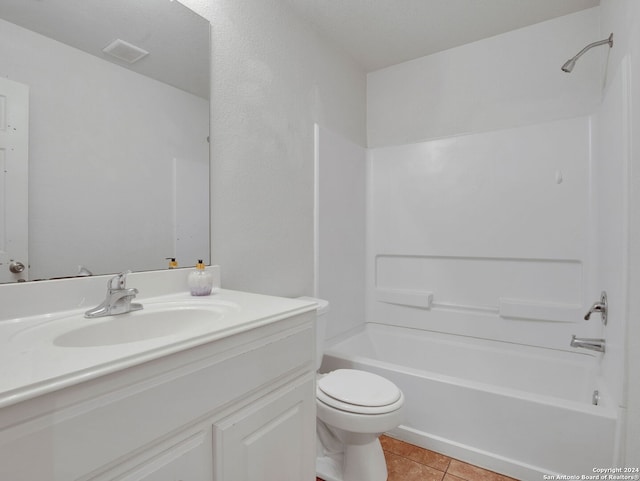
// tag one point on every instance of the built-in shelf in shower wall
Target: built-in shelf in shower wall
(507, 287)
(486, 234)
(405, 297)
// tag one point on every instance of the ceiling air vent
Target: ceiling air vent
(125, 51)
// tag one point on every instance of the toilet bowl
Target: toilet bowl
(353, 409)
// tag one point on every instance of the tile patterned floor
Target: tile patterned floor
(406, 462)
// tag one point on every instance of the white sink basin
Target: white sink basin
(49, 351)
(139, 326)
(157, 320)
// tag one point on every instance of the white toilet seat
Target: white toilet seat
(358, 392)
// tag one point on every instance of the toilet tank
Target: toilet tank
(321, 326)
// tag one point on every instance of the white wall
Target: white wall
(106, 161)
(204, 8)
(273, 78)
(505, 81)
(611, 174)
(620, 151)
(341, 230)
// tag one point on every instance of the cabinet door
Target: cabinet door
(184, 457)
(272, 439)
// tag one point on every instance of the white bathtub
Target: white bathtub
(519, 410)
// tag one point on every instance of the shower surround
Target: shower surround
(489, 177)
(485, 235)
(480, 268)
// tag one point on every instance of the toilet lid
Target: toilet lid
(359, 388)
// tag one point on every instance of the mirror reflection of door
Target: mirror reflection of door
(14, 168)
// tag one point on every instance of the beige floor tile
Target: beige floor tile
(405, 469)
(415, 453)
(406, 462)
(451, 477)
(469, 472)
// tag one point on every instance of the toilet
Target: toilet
(353, 409)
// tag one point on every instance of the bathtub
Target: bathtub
(519, 410)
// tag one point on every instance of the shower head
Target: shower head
(569, 64)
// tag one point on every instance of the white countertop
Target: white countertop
(32, 364)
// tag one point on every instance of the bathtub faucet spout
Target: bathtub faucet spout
(588, 343)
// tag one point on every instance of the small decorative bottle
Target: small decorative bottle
(172, 262)
(200, 281)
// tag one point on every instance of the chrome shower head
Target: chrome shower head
(569, 64)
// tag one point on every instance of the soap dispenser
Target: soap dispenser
(200, 281)
(173, 264)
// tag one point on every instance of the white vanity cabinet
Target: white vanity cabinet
(238, 408)
(255, 443)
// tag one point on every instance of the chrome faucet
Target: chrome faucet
(588, 343)
(117, 300)
(600, 307)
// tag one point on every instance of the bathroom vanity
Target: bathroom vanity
(234, 402)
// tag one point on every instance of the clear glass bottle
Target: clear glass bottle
(200, 281)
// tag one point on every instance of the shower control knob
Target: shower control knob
(16, 267)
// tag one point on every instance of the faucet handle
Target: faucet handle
(599, 307)
(119, 281)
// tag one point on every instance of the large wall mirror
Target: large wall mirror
(108, 155)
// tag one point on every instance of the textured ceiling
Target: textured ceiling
(376, 33)
(379, 33)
